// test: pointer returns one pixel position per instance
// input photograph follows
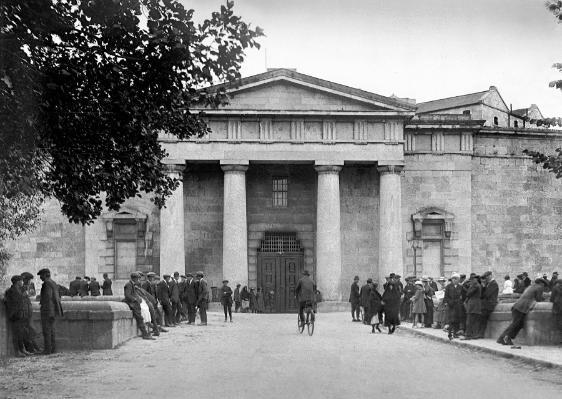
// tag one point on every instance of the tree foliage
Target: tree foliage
(87, 85)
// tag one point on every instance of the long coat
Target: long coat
(354, 296)
(391, 303)
(530, 296)
(305, 289)
(16, 305)
(226, 295)
(174, 291)
(453, 301)
(106, 287)
(191, 291)
(375, 302)
(418, 301)
(203, 292)
(163, 293)
(556, 298)
(473, 301)
(74, 287)
(365, 294)
(84, 288)
(490, 296)
(50, 300)
(95, 288)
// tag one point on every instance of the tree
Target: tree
(85, 88)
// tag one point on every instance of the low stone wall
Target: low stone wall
(88, 323)
(540, 328)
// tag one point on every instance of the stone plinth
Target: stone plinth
(540, 328)
(235, 226)
(172, 245)
(328, 232)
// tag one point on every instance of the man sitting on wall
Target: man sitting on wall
(133, 299)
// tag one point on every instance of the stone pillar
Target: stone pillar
(235, 226)
(390, 222)
(172, 244)
(328, 234)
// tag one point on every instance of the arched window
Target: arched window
(496, 122)
(515, 123)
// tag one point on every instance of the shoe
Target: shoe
(189, 322)
(225, 320)
(353, 320)
(148, 337)
(500, 341)
(162, 330)
(515, 347)
(466, 338)
(450, 336)
(507, 341)
(202, 324)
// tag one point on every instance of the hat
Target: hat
(139, 273)
(26, 275)
(225, 281)
(369, 280)
(398, 276)
(43, 271)
(166, 276)
(486, 274)
(472, 275)
(418, 282)
(424, 279)
(356, 278)
(15, 278)
(455, 275)
(183, 276)
(525, 274)
(157, 277)
(199, 274)
(135, 275)
(150, 274)
(553, 273)
(176, 274)
(306, 273)
(392, 275)
(188, 275)
(238, 285)
(541, 281)
(441, 279)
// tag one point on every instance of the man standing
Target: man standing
(182, 286)
(452, 300)
(74, 286)
(17, 314)
(51, 307)
(203, 298)
(28, 286)
(163, 295)
(175, 297)
(226, 300)
(133, 299)
(191, 295)
(409, 291)
(28, 290)
(490, 292)
(95, 287)
(106, 286)
(520, 309)
(84, 288)
(237, 299)
(365, 294)
(355, 300)
(305, 292)
(473, 308)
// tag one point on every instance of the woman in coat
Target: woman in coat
(452, 300)
(391, 304)
(473, 308)
(375, 306)
(418, 305)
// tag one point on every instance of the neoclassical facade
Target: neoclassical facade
(301, 173)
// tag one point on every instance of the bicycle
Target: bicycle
(309, 321)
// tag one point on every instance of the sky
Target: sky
(421, 49)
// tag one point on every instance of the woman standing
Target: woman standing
(375, 306)
(391, 303)
(226, 300)
(418, 305)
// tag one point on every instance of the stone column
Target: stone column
(172, 244)
(235, 226)
(390, 222)
(328, 234)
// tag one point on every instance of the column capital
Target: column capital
(234, 168)
(174, 169)
(328, 169)
(390, 169)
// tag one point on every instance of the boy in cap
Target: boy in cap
(51, 307)
(17, 314)
(226, 300)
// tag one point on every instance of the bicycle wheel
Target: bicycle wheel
(310, 324)
(300, 326)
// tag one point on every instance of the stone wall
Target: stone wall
(56, 244)
(203, 204)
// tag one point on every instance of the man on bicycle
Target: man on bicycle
(305, 293)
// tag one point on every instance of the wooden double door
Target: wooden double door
(278, 274)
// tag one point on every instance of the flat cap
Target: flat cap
(43, 271)
(166, 276)
(150, 274)
(199, 274)
(26, 275)
(306, 272)
(486, 274)
(135, 275)
(15, 278)
(189, 275)
(369, 280)
(176, 273)
(356, 278)
(183, 276)
(455, 275)
(225, 281)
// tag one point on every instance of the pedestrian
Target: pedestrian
(507, 285)
(226, 300)
(305, 293)
(375, 306)
(203, 298)
(182, 286)
(106, 285)
(473, 307)
(526, 280)
(452, 299)
(399, 283)
(134, 300)
(439, 313)
(50, 309)
(175, 298)
(418, 306)
(191, 294)
(429, 293)
(29, 292)
(237, 300)
(28, 285)
(260, 304)
(355, 300)
(17, 313)
(95, 287)
(391, 304)
(245, 297)
(364, 294)
(553, 280)
(409, 291)
(163, 295)
(490, 290)
(252, 301)
(556, 299)
(520, 309)
(74, 286)
(84, 287)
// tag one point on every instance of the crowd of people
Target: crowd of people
(459, 305)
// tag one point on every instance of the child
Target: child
(418, 305)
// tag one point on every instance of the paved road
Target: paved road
(262, 356)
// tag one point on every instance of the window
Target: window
(515, 123)
(466, 112)
(125, 234)
(280, 192)
(496, 123)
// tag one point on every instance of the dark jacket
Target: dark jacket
(203, 292)
(16, 305)
(150, 287)
(163, 292)
(182, 288)
(226, 295)
(409, 291)
(354, 296)
(106, 287)
(529, 297)
(74, 287)
(174, 291)
(50, 301)
(237, 294)
(305, 289)
(83, 288)
(490, 296)
(453, 300)
(556, 298)
(365, 294)
(391, 304)
(375, 302)
(131, 297)
(191, 291)
(473, 295)
(95, 288)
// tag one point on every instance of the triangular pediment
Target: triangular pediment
(288, 90)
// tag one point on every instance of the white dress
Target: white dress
(507, 287)
(145, 311)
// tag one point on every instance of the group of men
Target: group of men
(19, 312)
(86, 286)
(179, 297)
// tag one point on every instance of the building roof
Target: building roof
(452, 102)
(529, 111)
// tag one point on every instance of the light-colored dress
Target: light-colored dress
(507, 287)
(145, 312)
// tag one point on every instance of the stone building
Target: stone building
(301, 173)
